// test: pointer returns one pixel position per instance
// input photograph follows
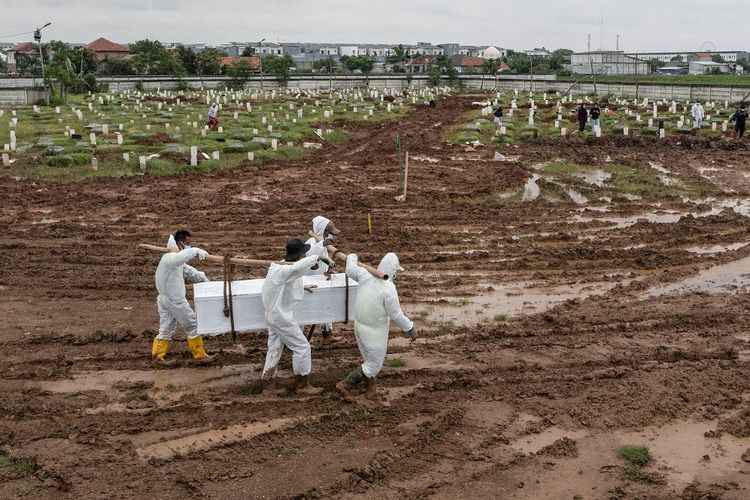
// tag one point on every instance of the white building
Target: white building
(492, 52)
(269, 48)
(328, 50)
(349, 51)
(606, 62)
(728, 55)
(707, 67)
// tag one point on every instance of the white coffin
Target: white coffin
(324, 305)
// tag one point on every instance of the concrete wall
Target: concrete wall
(12, 91)
(21, 97)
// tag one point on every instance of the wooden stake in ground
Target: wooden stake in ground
(402, 196)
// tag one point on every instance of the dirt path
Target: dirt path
(553, 331)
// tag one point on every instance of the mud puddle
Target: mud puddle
(534, 442)
(716, 249)
(656, 217)
(596, 178)
(506, 300)
(718, 279)
(106, 380)
(204, 440)
(683, 454)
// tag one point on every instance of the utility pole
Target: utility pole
(260, 54)
(617, 46)
(38, 39)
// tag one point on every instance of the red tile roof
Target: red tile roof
(232, 60)
(464, 61)
(104, 45)
(420, 60)
(25, 48)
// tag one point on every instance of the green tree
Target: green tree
(279, 67)
(518, 62)
(654, 64)
(327, 65)
(490, 66)
(147, 56)
(209, 62)
(399, 57)
(717, 58)
(188, 58)
(677, 58)
(118, 66)
(558, 59)
(248, 51)
(239, 73)
(350, 63)
(433, 77)
(72, 69)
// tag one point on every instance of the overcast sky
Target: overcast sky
(643, 25)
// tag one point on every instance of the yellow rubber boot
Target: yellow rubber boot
(158, 351)
(199, 352)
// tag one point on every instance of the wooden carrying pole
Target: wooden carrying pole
(214, 258)
(341, 255)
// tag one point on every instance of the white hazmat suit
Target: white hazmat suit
(317, 248)
(281, 294)
(698, 115)
(377, 304)
(170, 283)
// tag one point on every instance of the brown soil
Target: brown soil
(531, 407)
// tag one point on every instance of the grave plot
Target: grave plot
(582, 309)
(554, 116)
(120, 134)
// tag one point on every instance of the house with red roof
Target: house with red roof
(232, 60)
(16, 54)
(421, 64)
(467, 64)
(106, 50)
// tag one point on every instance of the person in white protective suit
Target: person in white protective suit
(698, 115)
(173, 307)
(281, 294)
(325, 229)
(377, 304)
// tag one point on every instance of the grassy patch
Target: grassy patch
(524, 240)
(634, 473)
(396, 362)
(288, 451)
(9, 459)
(499, 318)
(468, 354)
(637, 457)
(559, 167)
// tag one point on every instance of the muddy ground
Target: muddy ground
(553, 331)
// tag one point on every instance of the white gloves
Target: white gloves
(203, 276)
(202, 254)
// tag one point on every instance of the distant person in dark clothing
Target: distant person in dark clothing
(739, 118)
(594, 113)
(582, 117)
(498, 116)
